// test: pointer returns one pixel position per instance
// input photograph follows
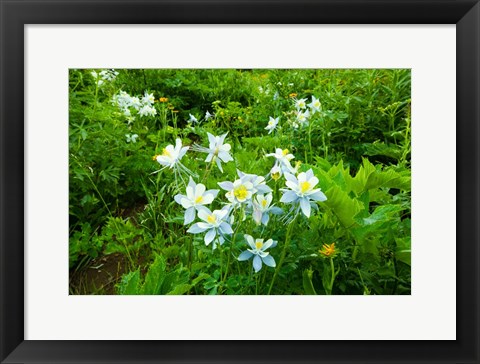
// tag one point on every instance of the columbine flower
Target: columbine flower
(136, 103)
(315, 105)
(258, 252)
(208, 115)
(148, 99)
(328, 251)
(272, 124)
(262, 209)
(302, 191)
(217, 150)
(276, 172)
(239, 191)
(196, 197)
(171, 157)
(192, 119)
(258, 182)
(213, 223)
(147, 110)
(302, 117)
(109, 75)
(301, 103)
(131, 138)
(283, 158)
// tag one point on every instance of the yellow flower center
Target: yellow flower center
(264, 203)
(316, 104)
(270, 123)
(199, 199)
(258, 244)
(285, 151)
(304, 186)
(276, 176)
(240, 192)
(211, 219)
(154, 158)
(166, 153)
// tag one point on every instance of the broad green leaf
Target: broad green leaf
(130, 283)
(307, 282)
(155, 276)
(343, 206)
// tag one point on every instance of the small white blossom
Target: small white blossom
(131, 138)
(257, 251)
(301, 104)
(272, 124)
(147, 110)
(262, 208)
(218, 151)
(283, 158)
(315, 105)
(301, 190)
(148, 99)
(196, 196)
(214, 223)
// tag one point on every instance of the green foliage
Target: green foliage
(357, 145)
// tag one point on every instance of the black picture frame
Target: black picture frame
(15, 14)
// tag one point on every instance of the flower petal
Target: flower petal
(226, 228)
(268, 260)
(250, 241)
(195, 229)
(305, 206)
(178, 198)
(244, 255)
(318, 196)
(257, 263)
(289, 196)
(209, 236)
(203, 213)
(227, 186)
(189, 215)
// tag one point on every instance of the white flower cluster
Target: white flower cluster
(140, 106)
(105, 75)
(302, 113)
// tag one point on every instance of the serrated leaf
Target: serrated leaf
(155, 276)
(129, 284)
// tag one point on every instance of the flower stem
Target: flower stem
(284, 252)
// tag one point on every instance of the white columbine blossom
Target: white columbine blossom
(171, 157)
(109, 75)
(148, 99)
(282, 159)
(208, 115)
(196, 197)
(239, 191)
(131, 138)
(214, 223)
(258, 182)
(217, 150)
(302, 117)
(315, 105)
(192, 119)
(301, 104)
(147, 110)
(272, 124)
(262, 208)
(301, 189)
(257, 251)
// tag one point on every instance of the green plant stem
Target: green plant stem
(332, 279)
(284, 252)
(310, 140)
(208, 170)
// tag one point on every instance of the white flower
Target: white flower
(301, 104)
(262, 208)
(272, 124)
(109, 75)
(213, 223)
(276, 172)
(302, 117)
(208, 115)
(218, 150)
(196, 197)
(283, 158)
(172, 155)
(239, 191)
(192, 119)
(257, 250)
(276, 96)
(315, 105)
(301, 189)
(258, 182)
(123, 100)
(136, 103)
(148, 99)
(147, 110)
(131, 138)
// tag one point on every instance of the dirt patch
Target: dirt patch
(99, 277)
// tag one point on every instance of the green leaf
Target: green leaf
(180, 289)
(130, 283)
(155, 276)
(344, 207)
(307, 282)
